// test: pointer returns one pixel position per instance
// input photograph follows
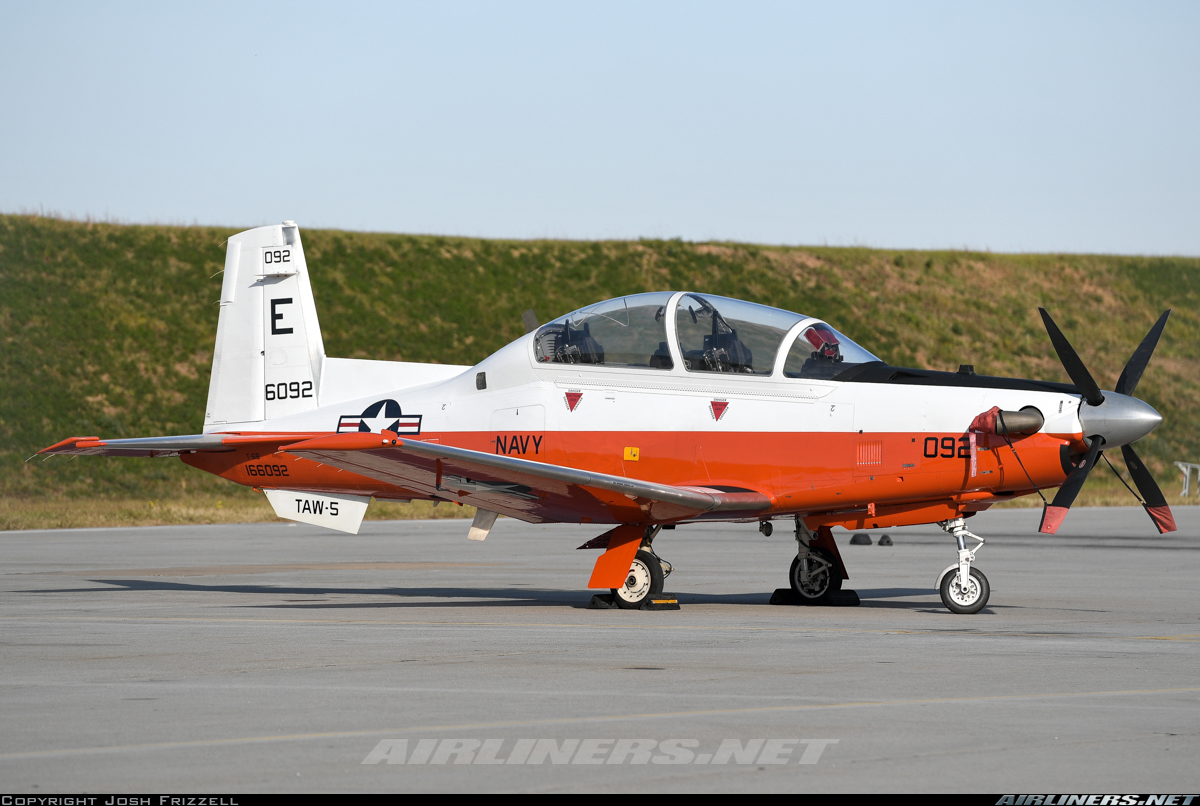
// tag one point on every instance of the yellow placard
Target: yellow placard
(631, 454)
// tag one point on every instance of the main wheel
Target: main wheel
(821, 581)
(971, 600)
(644, 579)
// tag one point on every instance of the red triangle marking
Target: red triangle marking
(718, 408)
(573, 399)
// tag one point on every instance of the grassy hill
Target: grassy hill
(108, 330)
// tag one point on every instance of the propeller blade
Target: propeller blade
(1140, 358)
(1155, 503)
(1053, 513)
(1071, 363)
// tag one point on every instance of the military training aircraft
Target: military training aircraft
(644, 412)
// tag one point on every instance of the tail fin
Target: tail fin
(269, 354)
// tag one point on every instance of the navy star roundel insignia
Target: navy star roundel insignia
(384, 415)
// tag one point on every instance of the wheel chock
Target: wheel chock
(787, 596)
(657, 601)
(661, 601)
(784, 596)
(844, 599)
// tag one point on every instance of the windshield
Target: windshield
(821, 352)
(625, 332)
(718, 334)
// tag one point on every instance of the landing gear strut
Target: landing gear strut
(964, 589)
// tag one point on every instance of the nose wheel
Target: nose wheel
(968, 599)
(963, 587)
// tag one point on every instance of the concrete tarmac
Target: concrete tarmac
(280, 657)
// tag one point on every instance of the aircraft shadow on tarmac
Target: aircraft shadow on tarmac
(892, 598)
(495, 597)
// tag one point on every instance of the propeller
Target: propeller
(1054, 513)
(1141, 357)
(1072, 363)
(1116, 419)
(1153, 501)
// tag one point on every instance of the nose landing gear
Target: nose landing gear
(964, 600)
(963, 588)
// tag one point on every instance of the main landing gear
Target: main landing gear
(816, 574)
(964, 588)
(645, 578)
(646, 575)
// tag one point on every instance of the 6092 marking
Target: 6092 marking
(283, 391)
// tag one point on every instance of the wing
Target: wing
(531, 491)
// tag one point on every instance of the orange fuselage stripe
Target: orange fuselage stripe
(801, 472)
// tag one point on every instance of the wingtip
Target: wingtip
(68, 444)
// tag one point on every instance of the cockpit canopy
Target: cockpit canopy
(714, 334)
(623, 332)
(821, 352)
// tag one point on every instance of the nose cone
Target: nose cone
(1120, 419)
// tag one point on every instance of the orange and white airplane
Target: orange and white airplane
(643, 412)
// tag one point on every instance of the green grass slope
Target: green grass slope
(108, 329)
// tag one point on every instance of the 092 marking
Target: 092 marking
(949, 447)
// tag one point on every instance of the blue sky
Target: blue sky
(1010, 127)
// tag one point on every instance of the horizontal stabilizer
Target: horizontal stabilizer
(167, 446)
(144, 446)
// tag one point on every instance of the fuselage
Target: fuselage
(859, 452)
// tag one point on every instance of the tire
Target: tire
(821, 584)
(645, 579)
(956, 601)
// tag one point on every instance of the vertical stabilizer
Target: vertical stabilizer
(269, 354)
